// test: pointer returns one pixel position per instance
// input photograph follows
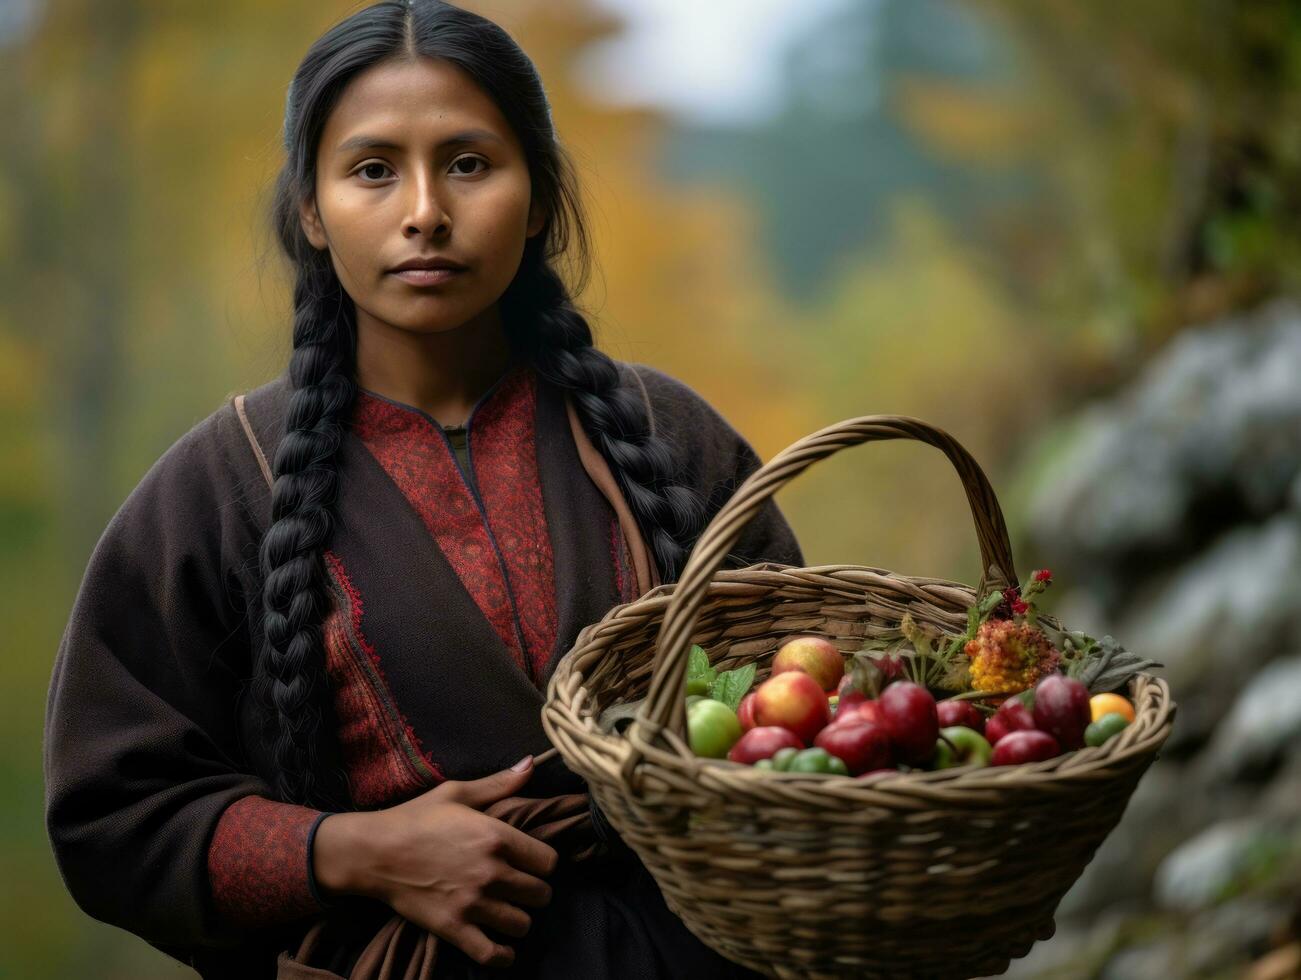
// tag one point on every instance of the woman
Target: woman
(313, 640)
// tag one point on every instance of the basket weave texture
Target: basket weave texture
(925, 874)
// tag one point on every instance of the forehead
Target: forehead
(412, 102)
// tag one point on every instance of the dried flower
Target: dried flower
(1009, 657)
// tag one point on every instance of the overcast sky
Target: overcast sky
(709, 61)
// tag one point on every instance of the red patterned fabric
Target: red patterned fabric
(381, 753)
(418, 458)
(258, 862)
(504, 456)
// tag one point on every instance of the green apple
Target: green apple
(960, 746)
(712, 728)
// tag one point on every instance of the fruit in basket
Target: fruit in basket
(962, 713)
(960, 746)
(1017, 748)
(1007, 656)
(911, 719)
(698, 685)
(762, 743)
(712, 728)
(816, 656)
(817, 759)
(859, 712)
(887, 771)
(781, 761)
(1061, 708)
(848, 692)
(793, 700)
(1102, 730)
(1104, 704)
(861, 746)
(745, 712)
(1012, 716)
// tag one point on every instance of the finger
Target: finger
(520, 888)
(478, 793)
(474, 942)
(501, 916)
(525, 852)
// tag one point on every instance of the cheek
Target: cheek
(508, 203)
(355, 226)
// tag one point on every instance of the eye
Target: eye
(470, 159)
(367, 166)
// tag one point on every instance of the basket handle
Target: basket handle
(664, 710)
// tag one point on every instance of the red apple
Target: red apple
(960, 713)
(911, 720)
(1014, 748)
(793, 700)
(1012, 716)
(745, 712)
(762, 743)
(1061, 708)
(877, 772)
(860, 746)
(848, 694)
(859, 712)
(891, 669)
(816, 656)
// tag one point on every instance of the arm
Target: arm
(150, 807)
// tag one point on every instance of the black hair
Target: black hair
(541, 322)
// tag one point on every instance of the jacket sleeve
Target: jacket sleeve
(156, 823)
(716, 459)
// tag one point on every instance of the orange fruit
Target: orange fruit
(1101, 704)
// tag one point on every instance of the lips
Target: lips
(427, 277)
(429, 262)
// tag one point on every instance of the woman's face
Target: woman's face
(415, 162)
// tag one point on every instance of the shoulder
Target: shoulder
(680, 412)
(714, 459)
(206, 488)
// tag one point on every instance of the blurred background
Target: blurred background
(1067, 233)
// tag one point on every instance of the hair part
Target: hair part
(541, 322)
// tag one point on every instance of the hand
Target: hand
(442, 864)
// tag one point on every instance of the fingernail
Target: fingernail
(523, 764)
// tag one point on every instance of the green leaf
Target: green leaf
(733, 685)
(698, 665)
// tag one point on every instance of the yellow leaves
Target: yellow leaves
(984, 125)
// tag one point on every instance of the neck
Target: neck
(443, 374)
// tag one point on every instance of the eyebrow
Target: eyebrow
(376, 143)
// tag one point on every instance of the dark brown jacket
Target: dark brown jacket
(454, 595)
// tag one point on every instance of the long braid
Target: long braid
(292, 678)
(558, 341)
(291, 681)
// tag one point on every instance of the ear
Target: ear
(537, 218)
(310, 220)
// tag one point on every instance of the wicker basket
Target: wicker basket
(938, 874)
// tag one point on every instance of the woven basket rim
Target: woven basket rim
(1154, 718)
(1046, 773)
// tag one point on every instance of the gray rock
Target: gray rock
(1161, 958)
(1265, 722)
(1214, 419)
(1197, 873)
(1157, 819)
(1224, 613)
(1232, 934)
(1281, 800)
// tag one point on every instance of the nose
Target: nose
(426, 214)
